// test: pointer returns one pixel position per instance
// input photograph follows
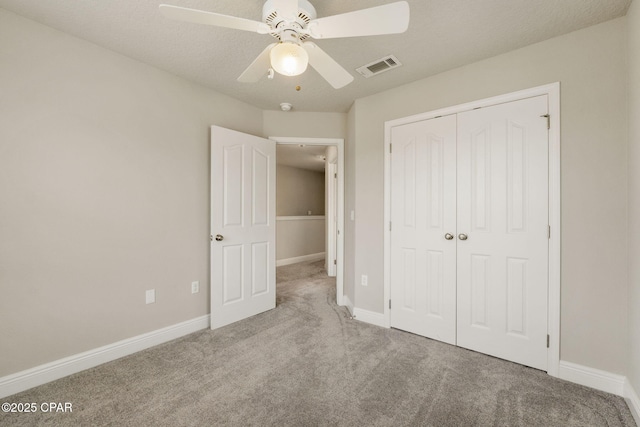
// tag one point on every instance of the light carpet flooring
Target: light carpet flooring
(305, 363)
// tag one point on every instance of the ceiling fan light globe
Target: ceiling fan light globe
(289, 59)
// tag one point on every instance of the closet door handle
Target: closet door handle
(462, 236)
(448, 236)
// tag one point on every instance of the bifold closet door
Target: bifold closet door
(423, 217)
(502, 242)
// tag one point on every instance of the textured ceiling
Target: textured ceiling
(310, 157)
(443, 34)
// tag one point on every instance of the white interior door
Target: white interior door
(503, 207)
(423, 217)
(243, 255)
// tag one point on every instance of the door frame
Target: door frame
(339, 144)
(331, 216)
(553, 311)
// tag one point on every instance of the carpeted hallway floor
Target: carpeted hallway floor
(306, 364)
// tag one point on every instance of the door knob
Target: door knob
(219, 237)
(448, 236)
(462, 236)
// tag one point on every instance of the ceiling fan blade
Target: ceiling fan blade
(326, 66)
(288, 9)
(258, 68)
(391, 18)
(209, 18)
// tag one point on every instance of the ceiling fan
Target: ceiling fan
(292, 23)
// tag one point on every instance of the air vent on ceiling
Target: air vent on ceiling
(379, 66)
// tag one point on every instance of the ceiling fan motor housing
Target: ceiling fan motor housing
(288, 28)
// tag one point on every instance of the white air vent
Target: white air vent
(379, 66)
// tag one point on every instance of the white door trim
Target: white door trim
(339, 144)
(331, 224)
(553, 92)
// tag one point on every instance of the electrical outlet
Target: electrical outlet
(195, 287)
(150, 296)
(364, 281)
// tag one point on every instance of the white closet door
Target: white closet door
(423, 200)
(503, 211)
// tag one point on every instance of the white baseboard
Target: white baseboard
(369, 317)
(294, 260)
(346, 302)
(590, 377)
(48, 372)
(633, 401)
(603, 381)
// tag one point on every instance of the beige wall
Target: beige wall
(296, 238)
(633, 25)
(591, 66)
(104, 176)
(299, 191)
(305, 125)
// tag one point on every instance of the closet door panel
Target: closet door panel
(502, 221)
(423, 198)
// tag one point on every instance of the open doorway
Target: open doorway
(310, 216)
